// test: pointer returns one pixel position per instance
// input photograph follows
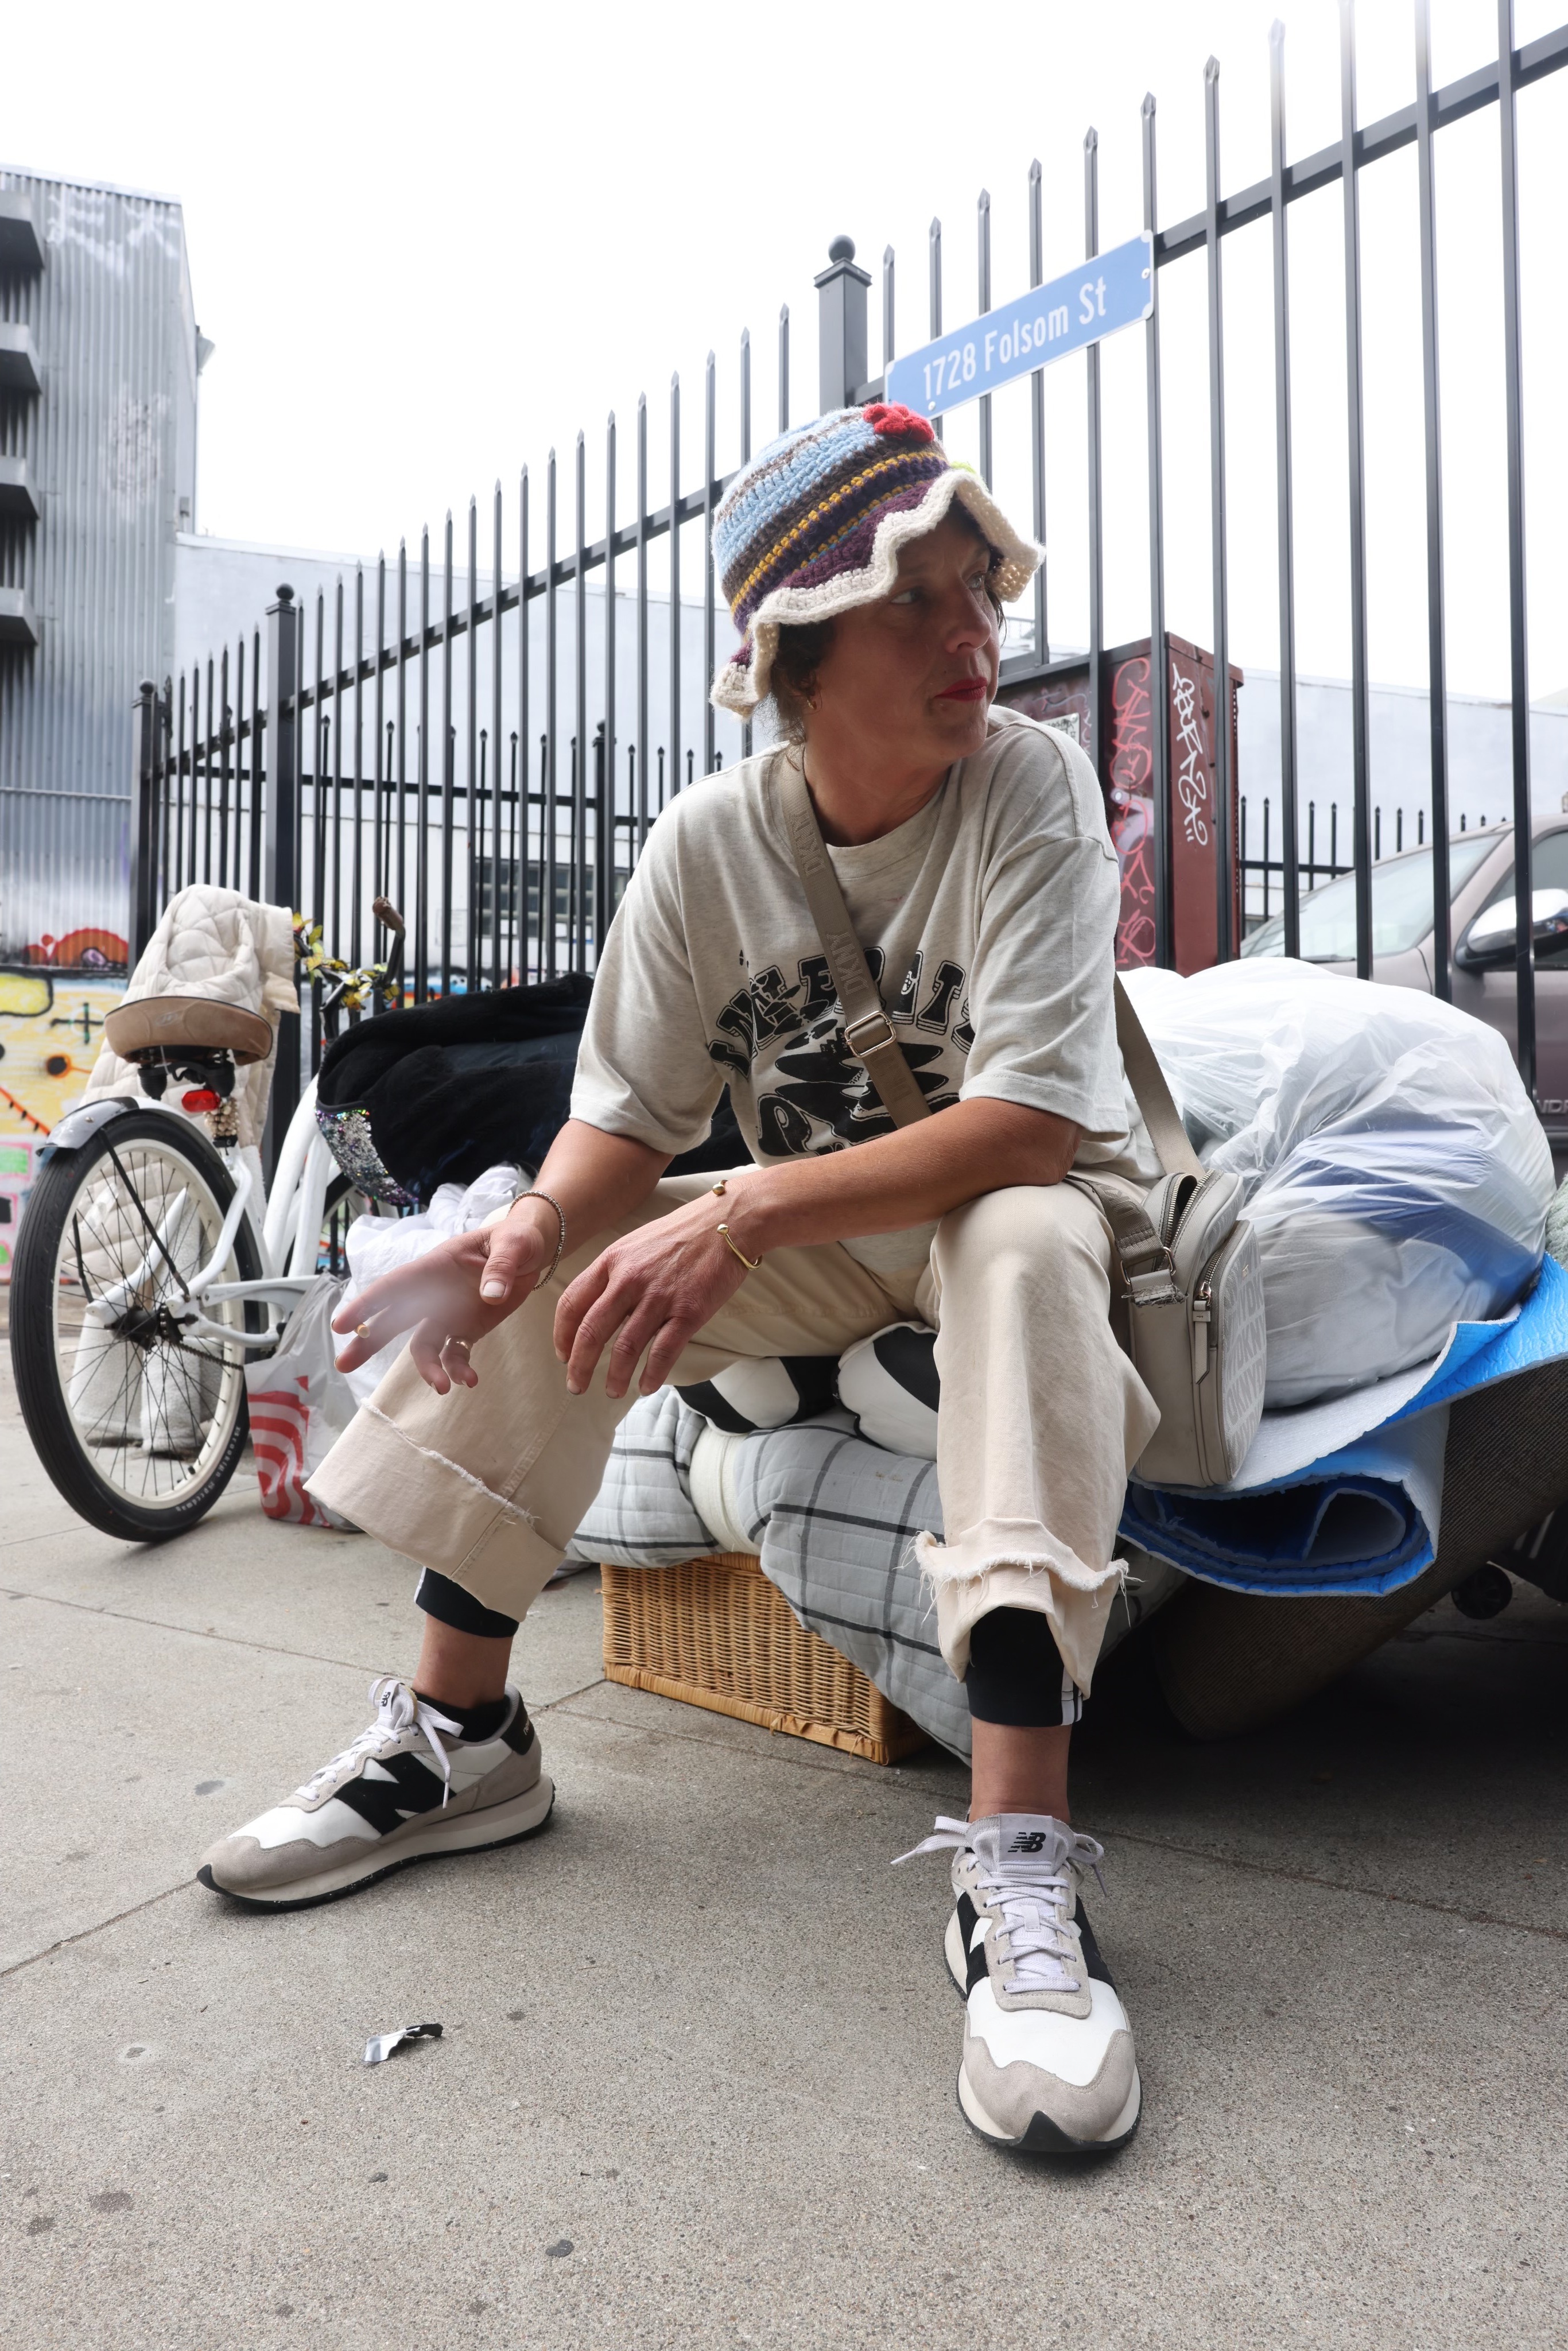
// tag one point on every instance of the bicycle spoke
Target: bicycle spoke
(130, 1384)
(153, 1235)
(81, 1270)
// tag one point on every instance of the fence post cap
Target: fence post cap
(842, 248)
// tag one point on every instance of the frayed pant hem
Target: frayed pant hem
(945, 1565)
(968, 1585)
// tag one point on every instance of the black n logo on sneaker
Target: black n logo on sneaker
(1027, 1840)
(975, 1967)
(384, 1803)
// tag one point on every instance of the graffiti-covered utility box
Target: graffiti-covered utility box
(1060, 694)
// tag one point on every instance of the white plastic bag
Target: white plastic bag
(299, 1405)
(376, 1245)
(1396, 1171)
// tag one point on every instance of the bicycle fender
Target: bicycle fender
(79, 1125)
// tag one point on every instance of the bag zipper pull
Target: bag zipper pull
(1201, 1318)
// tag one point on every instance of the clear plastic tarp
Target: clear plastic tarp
(1396, 1171)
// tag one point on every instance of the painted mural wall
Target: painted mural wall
(50, 1024)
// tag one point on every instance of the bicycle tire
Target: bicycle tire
(35, 1360)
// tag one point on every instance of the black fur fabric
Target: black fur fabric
(470, 1081)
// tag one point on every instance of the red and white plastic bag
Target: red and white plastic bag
(300, 1405)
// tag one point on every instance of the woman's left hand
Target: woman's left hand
(651, 1292)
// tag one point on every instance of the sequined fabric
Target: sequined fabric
(353, 1146)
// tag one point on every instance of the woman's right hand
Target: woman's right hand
(456, 1293)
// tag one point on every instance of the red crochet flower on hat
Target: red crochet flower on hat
(884, 418)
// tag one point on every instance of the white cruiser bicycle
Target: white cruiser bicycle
(148, 1268)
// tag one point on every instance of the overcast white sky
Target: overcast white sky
(429, 243)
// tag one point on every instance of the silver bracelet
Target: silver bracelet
(560, 1237)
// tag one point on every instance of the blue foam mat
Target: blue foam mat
(1365, 1517)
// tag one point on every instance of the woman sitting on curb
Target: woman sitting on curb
(866, 574)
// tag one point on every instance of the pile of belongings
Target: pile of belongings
(436, 1093)
(1400, 1184)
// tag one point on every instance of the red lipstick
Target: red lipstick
(968, 689)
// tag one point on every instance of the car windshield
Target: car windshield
(1401, 905)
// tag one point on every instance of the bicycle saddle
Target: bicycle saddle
(184, 1024)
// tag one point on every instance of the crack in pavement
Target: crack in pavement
(806, 1761)
(63, 1942)
(1341, 1886)
(236, 1640)
(194, 1632)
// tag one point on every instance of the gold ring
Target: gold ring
(360, 1329)
(464, 1343)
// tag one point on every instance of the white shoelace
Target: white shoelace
(1029, 1895)
(399, 1707)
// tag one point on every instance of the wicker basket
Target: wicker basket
(716, 1632)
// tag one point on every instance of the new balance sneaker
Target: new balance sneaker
(409, 1788)
(1048, 2064)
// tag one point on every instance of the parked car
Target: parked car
(1480, 875)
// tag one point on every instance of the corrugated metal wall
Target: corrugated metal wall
(110, 445)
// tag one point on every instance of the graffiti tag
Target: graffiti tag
(1192, 779)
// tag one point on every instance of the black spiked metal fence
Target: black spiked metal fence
(438, 740)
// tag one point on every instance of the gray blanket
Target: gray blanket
(833, 1520)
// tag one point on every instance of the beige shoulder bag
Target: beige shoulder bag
(1188, 1259)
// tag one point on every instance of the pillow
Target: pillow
(889, 1380)
(768, 1393)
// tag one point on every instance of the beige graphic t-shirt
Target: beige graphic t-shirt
(989, 921)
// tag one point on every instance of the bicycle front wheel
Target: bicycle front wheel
(138, 1423)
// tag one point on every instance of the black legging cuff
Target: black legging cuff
(1016, 1674)
(450, 1604)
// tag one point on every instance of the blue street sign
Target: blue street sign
(1097, 298)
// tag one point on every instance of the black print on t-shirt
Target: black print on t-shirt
(786, 1038)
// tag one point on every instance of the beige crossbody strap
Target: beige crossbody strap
(868, 1031)
(1143, 1252)
(1151, 1092)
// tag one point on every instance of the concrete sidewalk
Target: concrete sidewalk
(696, 2083)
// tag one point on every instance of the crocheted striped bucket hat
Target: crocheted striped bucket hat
(813, 527)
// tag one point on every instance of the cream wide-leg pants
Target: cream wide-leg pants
(1041, 1416)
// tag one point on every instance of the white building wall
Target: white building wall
(1480, 771)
